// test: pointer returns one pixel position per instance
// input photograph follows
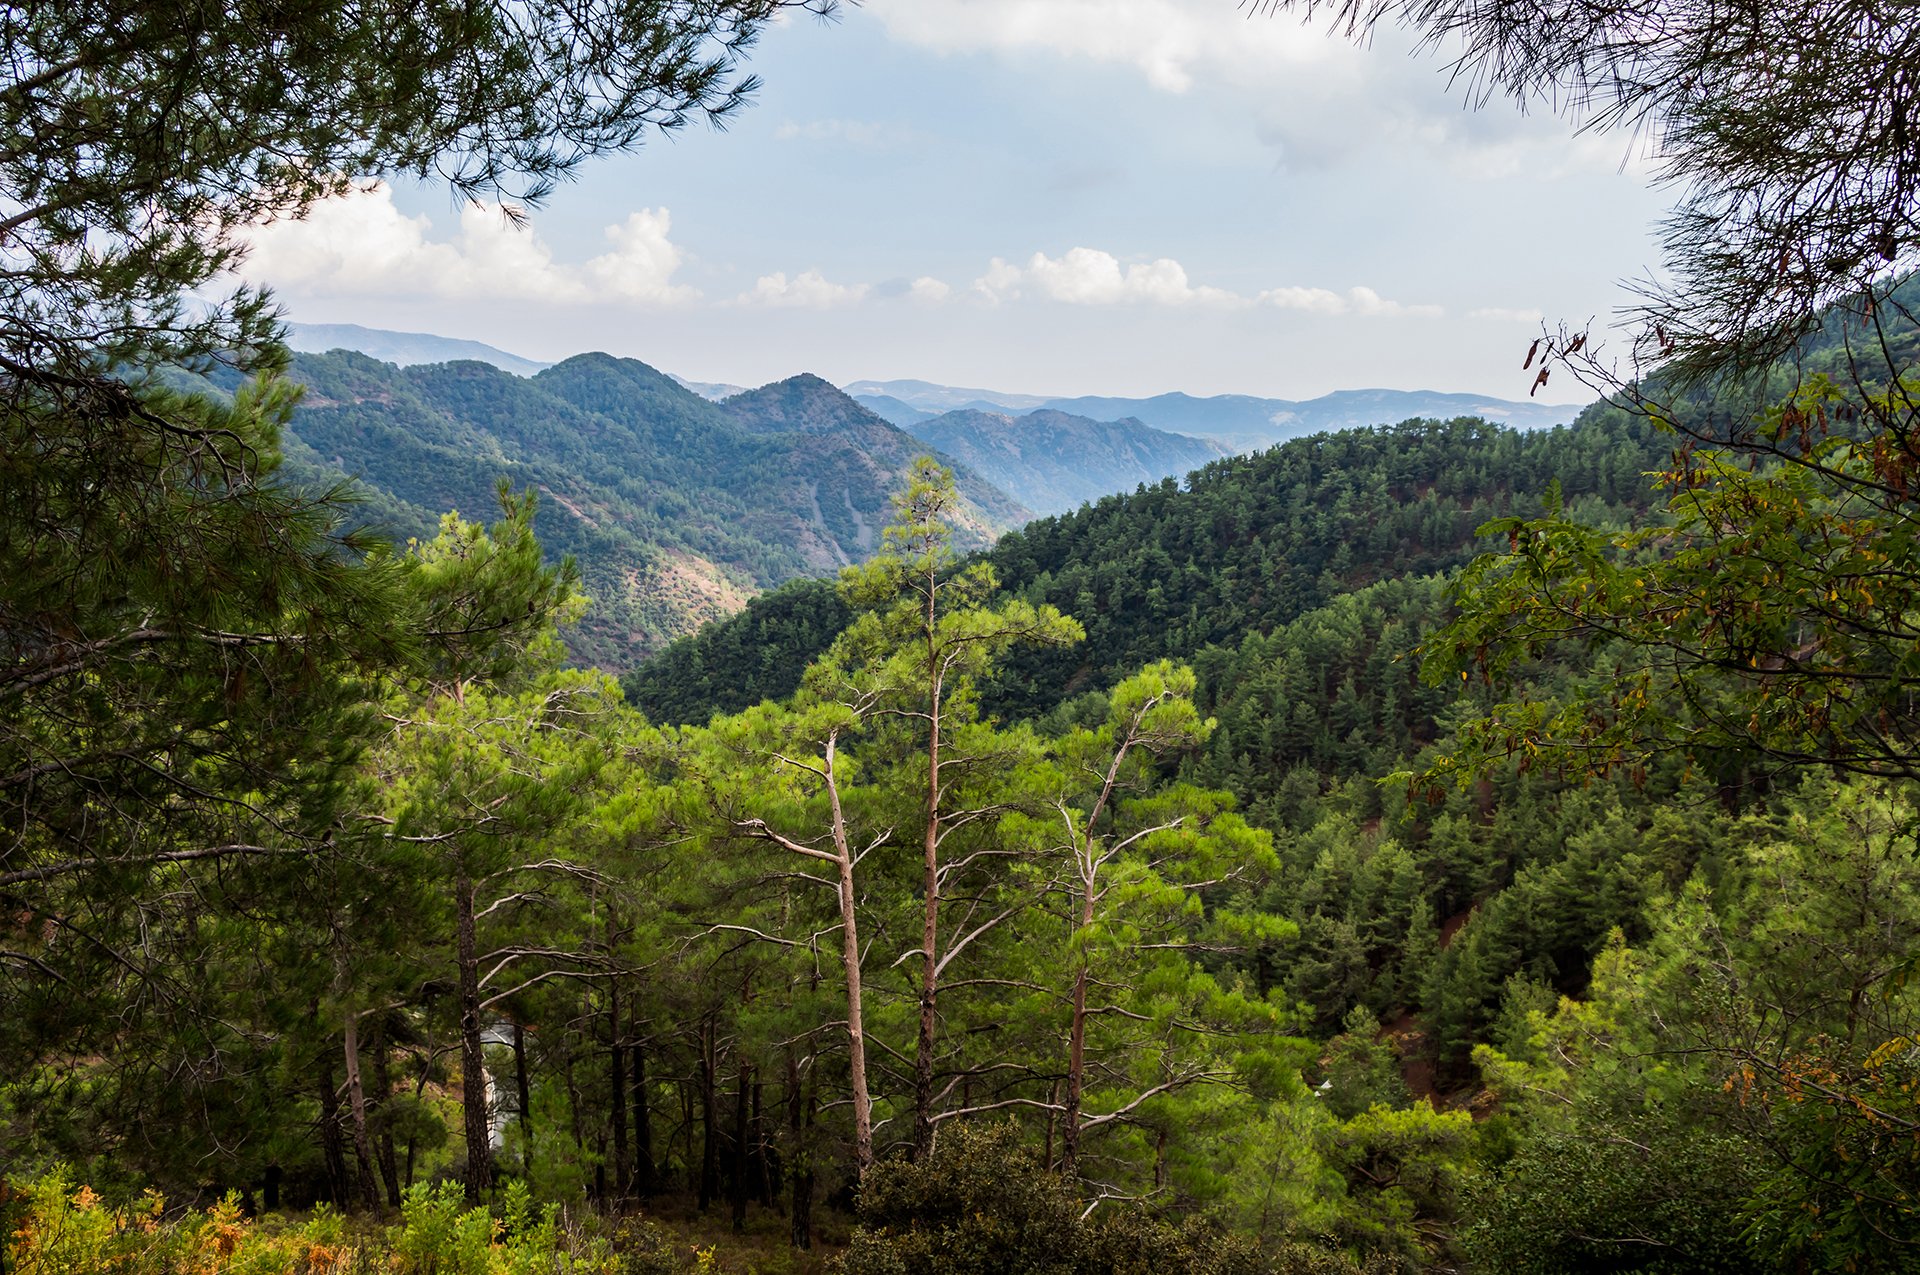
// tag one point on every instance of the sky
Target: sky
(1120, 197)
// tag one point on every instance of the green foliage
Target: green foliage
(59, 1229)
(1644, 1194)
(1362, 1071)
(1768, 617)
(1742, 1073)
(1402, 1169)
(981, 1206)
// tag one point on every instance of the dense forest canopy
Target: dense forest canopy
(1427, 847)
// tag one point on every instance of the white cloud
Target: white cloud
(1313, 300)
(809, 289)
(643, 260)
(1088, 276)
(929, 289)
(1361, 301)
(363, 245)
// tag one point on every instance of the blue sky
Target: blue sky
(1049, 196)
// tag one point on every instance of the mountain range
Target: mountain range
(677, 509)
(681, 500)
(1240, 421)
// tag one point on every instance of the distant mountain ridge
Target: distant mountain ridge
(928, 396)
(1053, 461)
(1242, 421)
(715, 390)
(404, 349)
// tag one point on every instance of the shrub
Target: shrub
(981, 1205)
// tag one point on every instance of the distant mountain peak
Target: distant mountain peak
(713, 391)
(805, 402)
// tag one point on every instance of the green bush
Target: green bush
(981, 1205)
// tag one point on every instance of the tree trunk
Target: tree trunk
(643, 1170)
(473, 1063)
(357, 1111)
(709, 1152)
(524, 1092)
(741, 1157)
(617, 1101)
(383, 1118)
(686, 1126)
(930, 928)
(573, 1101)
(856, 1021)
(1077, 1043)
(800, 1152)
(333, 1149)
(762, 1177)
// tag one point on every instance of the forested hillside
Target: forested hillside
(1244, 545)
(1052, 461)
(676, 509)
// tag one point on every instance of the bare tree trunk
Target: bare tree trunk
(1077, 1044)
(357, 1111)
(856, 1014)
(473, 1063)
(686, 1125)
(842, 858)
(1089, 854)
(930, 928)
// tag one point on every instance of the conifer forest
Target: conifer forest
(455, 823)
